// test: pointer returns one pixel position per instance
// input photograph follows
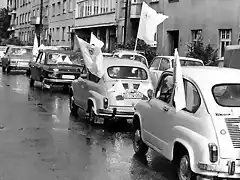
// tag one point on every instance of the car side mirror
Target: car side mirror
(84, 76)
(150, 93)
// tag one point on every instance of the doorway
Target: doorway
(173, 39)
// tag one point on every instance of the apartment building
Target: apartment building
(20, 12)
(35, 19)
(61, 20)
(217, 21)
(99, 17)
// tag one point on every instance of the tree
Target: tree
(141, 46)
(4, 23)
(207, 53)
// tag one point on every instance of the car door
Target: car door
(160, 109)
(34, 66)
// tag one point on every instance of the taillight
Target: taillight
(105, 103)
(213, 152)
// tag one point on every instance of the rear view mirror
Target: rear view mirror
(84, 76)
(150, 93)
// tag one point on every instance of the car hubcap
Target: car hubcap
(137, 140)
(184, 169)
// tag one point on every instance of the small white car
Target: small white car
(203, 139)
(126, 54)
(112, 97)
(162, 63)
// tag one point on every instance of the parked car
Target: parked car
(16, 58)
(203, 138)
(93, 94)
(162, 63)
(127, 54)
(55, 67)
(2, 53)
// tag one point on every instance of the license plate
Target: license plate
(132, 96)
(68, 76)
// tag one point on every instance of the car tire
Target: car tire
(3, 69)
(140, 148)
(31, 81)
(73, 106)
(184, 171)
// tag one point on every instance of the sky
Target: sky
(3, 3)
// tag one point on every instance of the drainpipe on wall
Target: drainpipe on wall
(126, 22)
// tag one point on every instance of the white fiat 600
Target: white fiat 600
(203, 139)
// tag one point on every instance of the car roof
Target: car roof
(185, 58)
(58, 51)
(129, 52)
(214, 75)
(112, 61)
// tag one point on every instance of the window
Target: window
(64, 6)
(69, 33)
(46, 11)
(29, 16)
(34, 13)
(70, 5)
(59, 8)
(58, 33)
(227, 95)
(225, 39)
(164, 65)
(53, 10)
(38, 13)
(63, 33)
(127, 72)
(155, 64)
(185, 62)
(196, 34)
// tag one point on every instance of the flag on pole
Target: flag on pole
(179, 93)
(92, 56)
(149, 20)
(95, 41)
(35, 46)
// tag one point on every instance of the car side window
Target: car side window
(155, 64)
(164, 65)
(165, 88)
(193, 98)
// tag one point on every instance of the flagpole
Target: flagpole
(135, 48)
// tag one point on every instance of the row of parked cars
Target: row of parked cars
(202, 140)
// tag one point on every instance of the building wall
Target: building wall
(61, 20)
(206, 15)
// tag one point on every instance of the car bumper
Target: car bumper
(114, 112)
(58, 81)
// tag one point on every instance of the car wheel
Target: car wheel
(92, 116)
(73, 106)
(139, 146)
(184, 171)
(3, 69)
(31, 81)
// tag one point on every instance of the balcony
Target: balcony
(36, 20)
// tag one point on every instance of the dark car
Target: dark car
(16, 58)
(55, 67)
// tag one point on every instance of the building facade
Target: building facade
(61, 20)
(99, 17)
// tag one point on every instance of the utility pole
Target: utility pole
(125, 22)
(41, 22)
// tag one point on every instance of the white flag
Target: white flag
(179, 93)
(92, 56)
(117, 89)
(35, 46)
(95, 41)
(149, 20)
(143, 88)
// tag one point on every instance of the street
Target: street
(40, 140)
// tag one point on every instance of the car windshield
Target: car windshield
(21, 51)
(227, 95)
(185, 62)
(61, 58)
(137, 58)
(127, 72)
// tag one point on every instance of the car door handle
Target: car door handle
(166, 109)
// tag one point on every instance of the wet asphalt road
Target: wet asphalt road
(39, 140)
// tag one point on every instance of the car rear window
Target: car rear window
(227, 95)
(185, 62)
(21, 51)
(127, 72)
(137, 58)
(61, 58)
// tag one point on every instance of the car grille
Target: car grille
(233, 125)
